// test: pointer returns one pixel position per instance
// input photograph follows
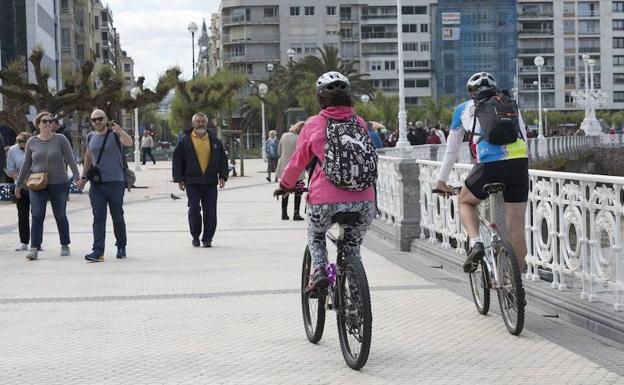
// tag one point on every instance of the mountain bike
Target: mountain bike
(347, 294)
(497, 270)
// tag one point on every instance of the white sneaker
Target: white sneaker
(65, 250)
(21, 247)
(32, 255)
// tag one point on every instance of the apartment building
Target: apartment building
(255, 33)
(42, 30)
(562, 32)
(106, 38)
(77, 33)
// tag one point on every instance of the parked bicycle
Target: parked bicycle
(497, 270)
(347, 295)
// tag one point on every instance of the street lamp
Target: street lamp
(402, 142)
(516, 81)
(262, 90)
(269, 68)
(134, 93)
(539, 62)
(546, 121)
(192, 28)
(365, 98)
(291, 54)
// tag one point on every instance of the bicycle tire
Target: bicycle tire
(313, 327)
(354, 314)
(511, 297)
(480, 288)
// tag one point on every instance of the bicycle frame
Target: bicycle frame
(493, 237)
(334, 272)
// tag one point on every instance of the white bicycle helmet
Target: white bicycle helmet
(331, 77)
(481, 81)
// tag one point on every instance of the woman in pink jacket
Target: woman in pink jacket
(325, 199)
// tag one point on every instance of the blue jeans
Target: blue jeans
(206, 195)
(107, 194)
(57, 195)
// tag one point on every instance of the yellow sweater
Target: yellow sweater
(202, 149)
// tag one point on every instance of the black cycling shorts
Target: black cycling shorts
(514, 173)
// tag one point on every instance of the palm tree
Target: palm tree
(330, 60)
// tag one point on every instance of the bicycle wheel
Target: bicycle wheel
(510, 291)
(313, 304)
(355, 320)
(480, 286)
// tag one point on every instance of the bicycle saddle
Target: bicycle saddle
(493, 188)
(347, 218)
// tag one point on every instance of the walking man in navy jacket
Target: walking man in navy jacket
(199, 165)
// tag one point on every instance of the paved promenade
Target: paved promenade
(231, 314)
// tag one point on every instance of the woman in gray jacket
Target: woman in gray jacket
(47, 152)
(287, 145)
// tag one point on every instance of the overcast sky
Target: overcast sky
(154, 33)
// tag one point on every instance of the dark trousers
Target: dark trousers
(285, 204)
(23, 217)
(206, 196)
(57, 195)
(145, 152)
(107, 194)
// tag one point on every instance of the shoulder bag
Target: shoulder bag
(39, 180)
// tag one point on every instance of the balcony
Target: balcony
(589, 49)
(379, 35)
(588, 14)
(379, 53)
(535, 15)
(537, 51)
(535, 32)
(533, 69)
(267, 57)
(251, 40)
(348, 19)
(378, 17)
(229, 21)
(531, 87)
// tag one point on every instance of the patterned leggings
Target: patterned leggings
(319, 221)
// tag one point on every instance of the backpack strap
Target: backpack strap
(472, 133)
(97, 162)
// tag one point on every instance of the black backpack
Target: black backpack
(498, 117)
(350, 160)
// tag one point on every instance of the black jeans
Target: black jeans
(107, 194)
(23, 217)
(202, 199)
(297, 204)
(145, 152)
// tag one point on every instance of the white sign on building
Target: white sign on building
(451, 17)
(450, 33)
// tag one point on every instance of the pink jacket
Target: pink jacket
(310, 144)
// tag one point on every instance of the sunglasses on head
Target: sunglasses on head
(98, 119)
(44, 121)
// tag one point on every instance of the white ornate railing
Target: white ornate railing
(611, 140)
(573, 227)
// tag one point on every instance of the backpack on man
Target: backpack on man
(498, 117)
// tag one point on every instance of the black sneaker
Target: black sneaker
(195, 242)
(207, 243)
(94, 257)
(285, 217)
(318, 279)
(121, 252)
(297, 217)
(475, 254)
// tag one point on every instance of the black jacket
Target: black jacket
(186, 165)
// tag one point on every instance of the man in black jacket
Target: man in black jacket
(199, 164)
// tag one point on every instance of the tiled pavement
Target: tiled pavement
(174, 314)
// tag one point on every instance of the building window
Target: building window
(65, 5)
(618, 24)
(414, 10)
(96, 22)
(618, 42)
(570, 80)
(569, 9)
(345, 13)
(375, 66)
(618, 61)
(127, 67)
(65, 40)
(104, 36)
(105, 55)
(424, 46)
(410, 83)
(618, 6)
(618, 78)
(309, 11)
(390, 65)
(407, 28)
(331, 11)
(104, 18)
(97, 49)
(618, 96)
(295, 11)
(412, 100)
(424, 28)
(422, 83)
(270, 12)
(410, 47)
(416, 63)
(80, 52)
(45, 21)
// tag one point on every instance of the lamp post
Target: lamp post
(291, 54)
(539, 62)
(402, 142)
(516, 82)
(192, 28)
(591, 63)
(589, 98)
(365, 98)
(585, 61)
(262, 90)
(546, 121)
(269, 68)
(134, 93)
